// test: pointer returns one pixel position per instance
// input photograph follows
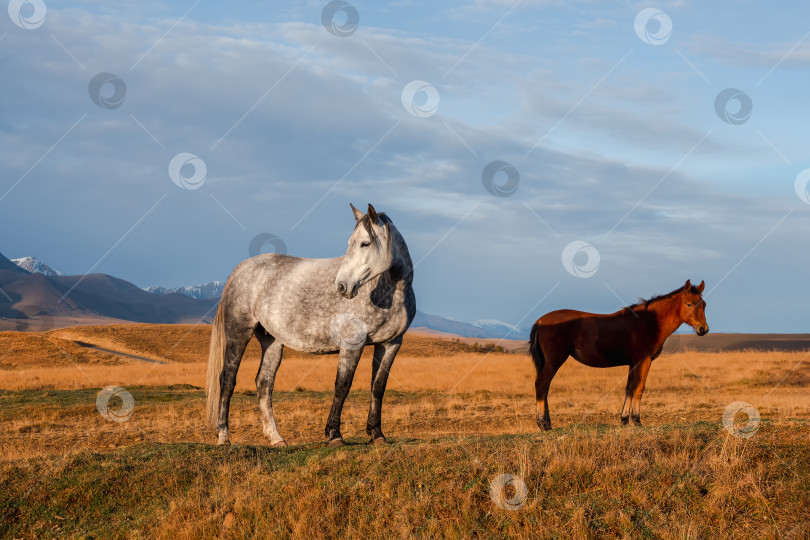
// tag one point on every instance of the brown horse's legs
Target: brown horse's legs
(628, 395)
(636, 379)
(643, 369)
(541, 386)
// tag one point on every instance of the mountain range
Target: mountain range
(212, 289)
(32, 290)
(483, 329)
(36, 301)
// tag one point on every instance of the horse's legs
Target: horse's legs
(628, 397)
(542, 384)
(636, 378)
(384, 354)
(272, 351)
(343, 382)
(641, 379)
(234, 349)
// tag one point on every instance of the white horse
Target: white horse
(315, 306)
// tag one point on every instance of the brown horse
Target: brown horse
(633, 336)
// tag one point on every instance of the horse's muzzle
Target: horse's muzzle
(702, 331)
(344, 290)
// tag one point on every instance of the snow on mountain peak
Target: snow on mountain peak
(493, 324)
(212, 289)
(35, 266)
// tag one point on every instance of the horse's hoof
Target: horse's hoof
(279, 444)
(625, 420)
(379, 441)
(222, 437)
(336, 443)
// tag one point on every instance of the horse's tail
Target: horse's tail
(535, 350)
(216, 358)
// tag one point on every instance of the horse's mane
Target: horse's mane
(366, 222)
(644, 304)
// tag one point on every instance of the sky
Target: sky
(535, 155)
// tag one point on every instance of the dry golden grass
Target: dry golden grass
(169, 343)
(134, 479)
(471, 393)
(20, 350)
(455, 419)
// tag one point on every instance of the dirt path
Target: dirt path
(118, 353)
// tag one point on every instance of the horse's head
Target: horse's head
(693, 306)
(369, 253)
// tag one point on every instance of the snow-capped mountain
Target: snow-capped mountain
(506, 330)
(483, 328)
(212, 289)
(494, 330)
(35, 266)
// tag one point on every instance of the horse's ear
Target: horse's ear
(372, 214)
(701, 287)
(358, 215)
(688, 285)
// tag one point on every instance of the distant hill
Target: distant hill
(36, 292)
(8, 266)
(34, 300)
(717, 342)
(490, 330)
(35, 296)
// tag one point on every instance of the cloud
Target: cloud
(294, 123)
(750, 54)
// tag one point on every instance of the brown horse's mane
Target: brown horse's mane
(645, 304)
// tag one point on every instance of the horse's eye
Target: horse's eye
(365, 244)
(688, 305)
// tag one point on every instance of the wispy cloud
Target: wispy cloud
(316, 141)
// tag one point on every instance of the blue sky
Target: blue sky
(616, 140)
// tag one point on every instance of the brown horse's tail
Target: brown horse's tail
(535, 350)
(216, 356)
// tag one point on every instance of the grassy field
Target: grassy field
(456, 417)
